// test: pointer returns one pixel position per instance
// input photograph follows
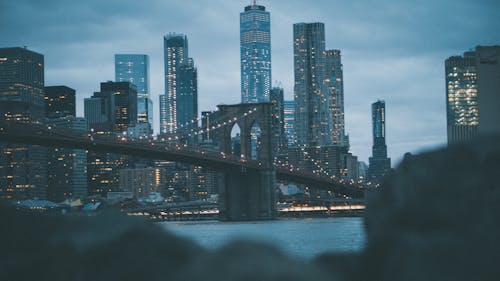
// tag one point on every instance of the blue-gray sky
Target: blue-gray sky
(391, 49)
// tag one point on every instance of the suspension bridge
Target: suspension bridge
(248, 184)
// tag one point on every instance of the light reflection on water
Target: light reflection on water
(297, 237)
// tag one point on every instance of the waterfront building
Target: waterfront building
(488, 80)
(255, 51)
(112, 111)
(142, 181)
(380, 164)
(59, 102)
(313, 125)
(134, 68)
(289, 122)
(462, 109)
(335, 87)
(67, 168)
(23, 168)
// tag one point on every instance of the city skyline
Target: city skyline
(401, 55)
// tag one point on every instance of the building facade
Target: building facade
(335, 87)
(312, 111)
(380, 164)
(142, 181)
(277, 99)
(289, 122)
(134, 68)
(59, 102)
(255, 51)
(462, 109)
(488, 78)
(180, 84)
(67, 168)
(23, 168)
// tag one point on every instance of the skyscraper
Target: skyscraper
(134, 68)
(187, 98)
(380, 165)
(23, 171)
(461, 98)
(176, 54)
(335, 86)
(312, 111)
(255, 50)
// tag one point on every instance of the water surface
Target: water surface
(304, 238)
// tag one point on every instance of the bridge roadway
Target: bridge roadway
(46, 135)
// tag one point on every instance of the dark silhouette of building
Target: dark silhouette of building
(380, 164)
(22, 167)
(59, 102)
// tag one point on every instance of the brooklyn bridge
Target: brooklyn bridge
(247, 191)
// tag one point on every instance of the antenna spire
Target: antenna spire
(254, 3)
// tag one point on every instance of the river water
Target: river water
(301, 238)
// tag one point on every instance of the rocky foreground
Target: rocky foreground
(437, 217)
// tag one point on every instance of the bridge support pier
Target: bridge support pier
(247, 195)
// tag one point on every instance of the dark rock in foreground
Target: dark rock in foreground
(436, 218)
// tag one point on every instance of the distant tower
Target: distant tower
(461, 98)
(134, 68)
(335, 86)
(180, 103)
(289, 121)
(277, 98)
(312, 113)
(380, 165)
(255, 47)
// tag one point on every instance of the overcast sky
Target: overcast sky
(391, 49)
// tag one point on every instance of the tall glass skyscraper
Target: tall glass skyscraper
(461, 98)
(255, 48)
(180, 103)
(134, 68)
(312, 112)
(380, 165)
(335, 86)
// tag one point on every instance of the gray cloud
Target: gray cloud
(392, 50)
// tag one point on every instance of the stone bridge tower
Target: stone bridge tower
(248, 194)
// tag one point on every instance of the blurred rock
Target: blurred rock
(437, 217)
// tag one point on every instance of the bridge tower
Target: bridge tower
(248, 194)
